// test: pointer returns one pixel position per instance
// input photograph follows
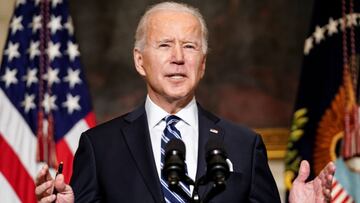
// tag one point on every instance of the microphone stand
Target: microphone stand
(216, 189)
(195, 196)
(177, 189)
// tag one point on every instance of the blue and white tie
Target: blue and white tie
(170, 132)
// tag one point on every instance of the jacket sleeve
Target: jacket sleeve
(263, 186)
(84, 180)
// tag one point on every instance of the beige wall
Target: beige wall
(277, 168)
(6, 9)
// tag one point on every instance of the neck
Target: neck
(171, 105)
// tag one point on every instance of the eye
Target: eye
(164, 45)
(189, 46)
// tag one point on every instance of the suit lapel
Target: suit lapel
(138, 139)
(207, 127)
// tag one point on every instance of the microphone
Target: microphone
(217, 168)
(174, 163)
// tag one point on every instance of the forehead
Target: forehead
(165, 22)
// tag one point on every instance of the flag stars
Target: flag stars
(332, 27)
(308, 45)
(69, 26)
(12, 51)
(36, 23)
(341, 23)
(72, 50)
(49, 103)
(30, 77)
(52, 76)
(28, 102)
(53, 50)
(351, 20)
(34, 49)
(16, 24)
(37, 2)
(9, 77)
(54, 24)
(73, 77)
(319, 34)
(54, 3)
(19, 2)
(72, 103)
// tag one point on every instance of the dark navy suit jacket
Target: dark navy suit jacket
(114, 162)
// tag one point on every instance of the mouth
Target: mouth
(176, 76)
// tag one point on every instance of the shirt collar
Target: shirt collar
(189, 114)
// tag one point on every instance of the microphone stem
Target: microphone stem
(195, 196)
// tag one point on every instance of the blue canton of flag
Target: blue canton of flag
(44, 99)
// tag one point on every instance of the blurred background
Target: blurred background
(253, 66)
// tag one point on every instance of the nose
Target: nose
(178, 55)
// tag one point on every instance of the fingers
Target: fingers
(44, 189)
(60, 183)
(330, 168)
(328, 174)
(304, 171)
(48, 199)
(43, 175)
(327, 181)
(327, 195)
(44, 185)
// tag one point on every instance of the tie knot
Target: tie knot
(171, 120)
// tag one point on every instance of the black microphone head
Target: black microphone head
(174, 163)
(217, 168)
(177, 145)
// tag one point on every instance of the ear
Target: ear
(139, 61)
(203, 66)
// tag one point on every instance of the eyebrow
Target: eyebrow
(164, 41)
(182, 42)
(192, 42)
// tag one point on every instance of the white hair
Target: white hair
(170, 6)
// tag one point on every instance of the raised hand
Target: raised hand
(315, 191)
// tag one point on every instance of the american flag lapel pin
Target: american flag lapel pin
(214, 130)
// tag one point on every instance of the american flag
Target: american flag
(44, 99)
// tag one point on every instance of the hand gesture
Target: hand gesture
(45, 186)
(315, 191)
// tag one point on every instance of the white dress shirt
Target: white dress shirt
(188, 127)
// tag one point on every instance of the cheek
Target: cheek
(151, 66)
(157, 61)
(196, 66)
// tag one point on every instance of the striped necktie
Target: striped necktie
(170, 132)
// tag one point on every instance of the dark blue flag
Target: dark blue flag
(326, 119)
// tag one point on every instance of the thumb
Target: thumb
(60, 183)
(304, 171)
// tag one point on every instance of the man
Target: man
(120, 161)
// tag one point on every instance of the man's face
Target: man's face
(172, 61)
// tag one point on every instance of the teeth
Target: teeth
(176, 76)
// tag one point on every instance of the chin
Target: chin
(180, 96)
(176, 97)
